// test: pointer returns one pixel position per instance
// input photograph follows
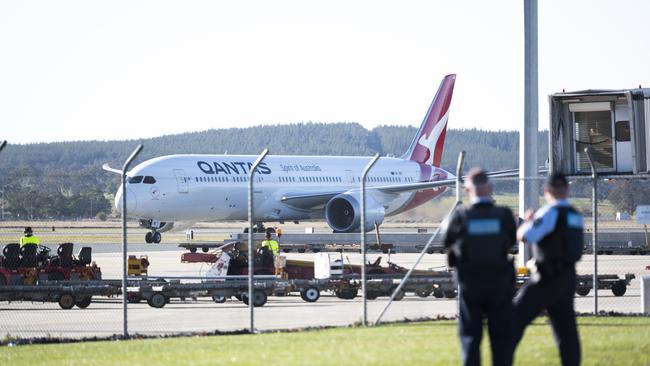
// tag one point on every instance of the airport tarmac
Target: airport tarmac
(104, 316)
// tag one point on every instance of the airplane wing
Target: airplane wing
(112, 170)
(311, 200)
(440, 183)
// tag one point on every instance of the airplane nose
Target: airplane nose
(131, 201)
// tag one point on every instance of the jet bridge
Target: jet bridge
(613, 124)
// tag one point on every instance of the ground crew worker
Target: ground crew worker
(556, 235)
(478, 239)
(273, 245)
(29, 238)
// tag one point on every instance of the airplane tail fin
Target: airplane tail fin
(427, 146)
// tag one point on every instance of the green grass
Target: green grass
(605, 341)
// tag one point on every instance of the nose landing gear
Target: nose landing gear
(153, 237)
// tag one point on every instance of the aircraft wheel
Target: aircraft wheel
(156, 237)
(423, 293)
(66, 301)
(205, 249)
(583, 291)
(438, 294)
(148, 238)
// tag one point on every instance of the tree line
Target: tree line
(64, 179)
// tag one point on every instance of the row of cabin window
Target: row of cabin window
(311, 179)
(219, 179)
(138, 179)
(294, 179)
(372, 179)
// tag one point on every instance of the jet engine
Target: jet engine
(343, 213)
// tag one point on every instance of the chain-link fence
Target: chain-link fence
(196, 300)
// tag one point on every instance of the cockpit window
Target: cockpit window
(135, 180)
(149, 180)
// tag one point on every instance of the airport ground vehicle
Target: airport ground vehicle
(26, 274)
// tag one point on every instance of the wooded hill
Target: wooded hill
(73, 169)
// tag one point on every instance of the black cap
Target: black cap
(28, 230)
(557, 180)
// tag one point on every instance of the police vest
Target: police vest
(483, 246)
(29, 240)
(558, 251)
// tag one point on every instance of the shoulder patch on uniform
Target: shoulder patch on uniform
(483, 226)
(574, 220)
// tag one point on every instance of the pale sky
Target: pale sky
(80, 70)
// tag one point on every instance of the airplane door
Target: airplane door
(349, 177)
(181, 181)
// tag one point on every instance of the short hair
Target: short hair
(28, 230)
(268, 235)
(476, 176)
(557, 181)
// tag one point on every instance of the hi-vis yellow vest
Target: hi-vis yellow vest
(29, 240)
(273, 245)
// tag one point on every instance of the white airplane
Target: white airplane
(192, 188)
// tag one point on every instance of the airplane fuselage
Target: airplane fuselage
(193, 188)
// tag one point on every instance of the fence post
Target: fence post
(459, 181)
(594, 233)
(251, 246)
(125, 167)
(363, 236)
(459, 170)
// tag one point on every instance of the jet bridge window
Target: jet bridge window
(149, 180)
(622, 131)
(135, 180)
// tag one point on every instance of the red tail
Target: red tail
(427, 145)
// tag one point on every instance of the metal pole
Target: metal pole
(528, 186)
(251, 245)
(459, 181)
(125, 167)
(3, 144)
(459, 172)
(594, 224)
(363, 236)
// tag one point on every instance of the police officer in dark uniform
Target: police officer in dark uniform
(478, 239)
(556, 234)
